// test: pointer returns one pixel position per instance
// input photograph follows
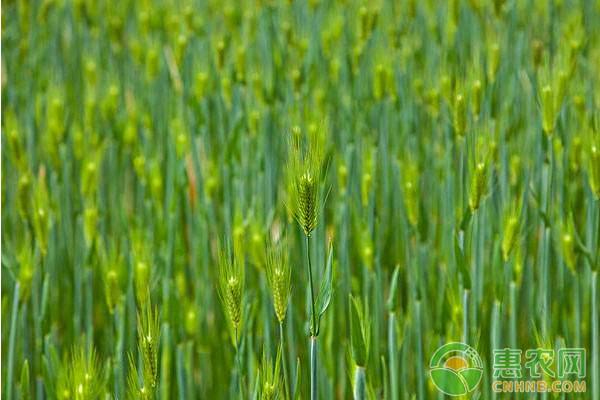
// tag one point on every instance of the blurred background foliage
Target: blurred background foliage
(461, 145)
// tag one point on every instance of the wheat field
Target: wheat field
(219, 199)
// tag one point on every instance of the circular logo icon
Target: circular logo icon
(456, 369)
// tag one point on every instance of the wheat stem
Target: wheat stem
(578, 285)
(420, 383)
(466, 316)
(11, 345)
(495, 333)
(283, 362)
(359, 383)
(77, 289)
(545, 243)
(393, 355)
(239, 364)
(313, 330)
(313, 327)
(513, 315)
(119, 323)
(313, 368)
(595, 344)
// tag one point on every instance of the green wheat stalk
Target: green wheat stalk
(231, 292)
(304, 177)
(279, 279)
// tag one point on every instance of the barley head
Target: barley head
(568, 249)
(307, 202)
(149, 340)
(41, 213)
(369, 157)
(81, 377)
(446, 86)
(568, 243)
(231, 286)
(518, 266)
(477, 97)
(89, 176)
(270, 377)
(511, 234)
(366, 251)
(256, 243)
(304, 177)
(460, 115)
(112, 288)
(493, 61)
(548, 109)
(141, 278)
(90, 223)
(411, 192)
(575, 154)
(24, 195)
(342, 173)
(25, 257)
(478, 189)
(191, 320)
(135, 389)
(279, 277)
(234, 300)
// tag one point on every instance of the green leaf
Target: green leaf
(324, 297)
(48, 377)
(392, 299)
(359, 347)
(278, 360)
(296, 394)
(461, 262)
(466, 220)
(386, 384)
(24, 383)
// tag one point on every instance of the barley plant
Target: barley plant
(294, 199)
